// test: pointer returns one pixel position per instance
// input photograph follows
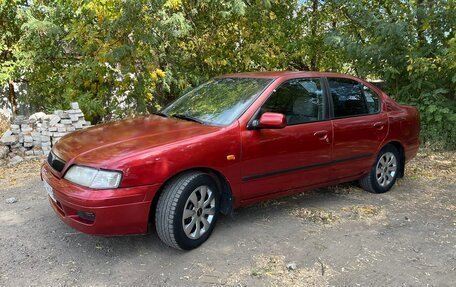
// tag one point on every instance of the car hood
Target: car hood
(104, 145)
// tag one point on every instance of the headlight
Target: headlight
(93, 178)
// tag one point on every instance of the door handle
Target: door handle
(322, 135)
(379, 126)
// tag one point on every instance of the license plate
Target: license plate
(49, 190)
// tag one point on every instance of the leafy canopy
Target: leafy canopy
(124, 57)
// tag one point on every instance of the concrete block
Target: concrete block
(54, 120)
(28, 139)
(19, 120)
(75, 111)
(74, 106)
(26, 128)
(4, 151)
(15, 160)
(58, 112)
(16, 145)
(37, 116)
(65, 115)
(65, 122)
(45, 138)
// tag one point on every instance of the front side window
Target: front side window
(219, 101)
(300, 100)
(348, 97)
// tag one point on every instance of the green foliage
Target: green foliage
(124, 57)
(412, 46)
(438, 119)
(10, 24)
(92, 51)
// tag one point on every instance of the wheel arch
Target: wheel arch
(226, 200)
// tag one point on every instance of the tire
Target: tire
(183, 195)
(384, 172)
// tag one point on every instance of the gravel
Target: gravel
(405, 237)
(10, 200)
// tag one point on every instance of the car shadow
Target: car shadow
(240, 222)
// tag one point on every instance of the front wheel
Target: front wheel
(187, 210)
(384, 173)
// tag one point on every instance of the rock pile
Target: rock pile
(36, 135)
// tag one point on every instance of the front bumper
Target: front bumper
(118, 211)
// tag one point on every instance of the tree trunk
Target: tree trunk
(12, 97)
(419, 23)
(313, 32)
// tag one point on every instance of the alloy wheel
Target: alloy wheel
(386, 169)
(199, 211)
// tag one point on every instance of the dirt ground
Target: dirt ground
(337, 236)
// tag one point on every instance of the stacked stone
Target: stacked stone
(36, 135)
(63, 122)
(21, 130)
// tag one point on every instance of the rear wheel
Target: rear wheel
(187, 210)
(384, 173)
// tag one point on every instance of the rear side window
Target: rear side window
(300, 100)
(348, 97)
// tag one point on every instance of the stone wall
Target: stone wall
(34, 136)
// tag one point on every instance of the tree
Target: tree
(411, 46)
(100, 53)
(10, 24)
(124, 57)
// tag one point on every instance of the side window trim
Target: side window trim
(328, 98)
(325, 95)
(331, 102)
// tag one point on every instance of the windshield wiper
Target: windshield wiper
(188, 118)
(161, 114)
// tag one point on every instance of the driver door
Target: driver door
(276, 160)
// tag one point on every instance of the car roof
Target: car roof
(279, 74)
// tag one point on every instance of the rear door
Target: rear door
(298, 155)
(359, 127)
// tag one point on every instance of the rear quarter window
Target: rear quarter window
(372, 100)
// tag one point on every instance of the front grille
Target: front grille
(56, 163)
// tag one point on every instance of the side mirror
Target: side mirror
(271, 121)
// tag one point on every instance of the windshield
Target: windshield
(219, 101)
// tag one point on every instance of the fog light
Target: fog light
(89, 216)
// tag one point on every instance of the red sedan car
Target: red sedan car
(235, 140)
